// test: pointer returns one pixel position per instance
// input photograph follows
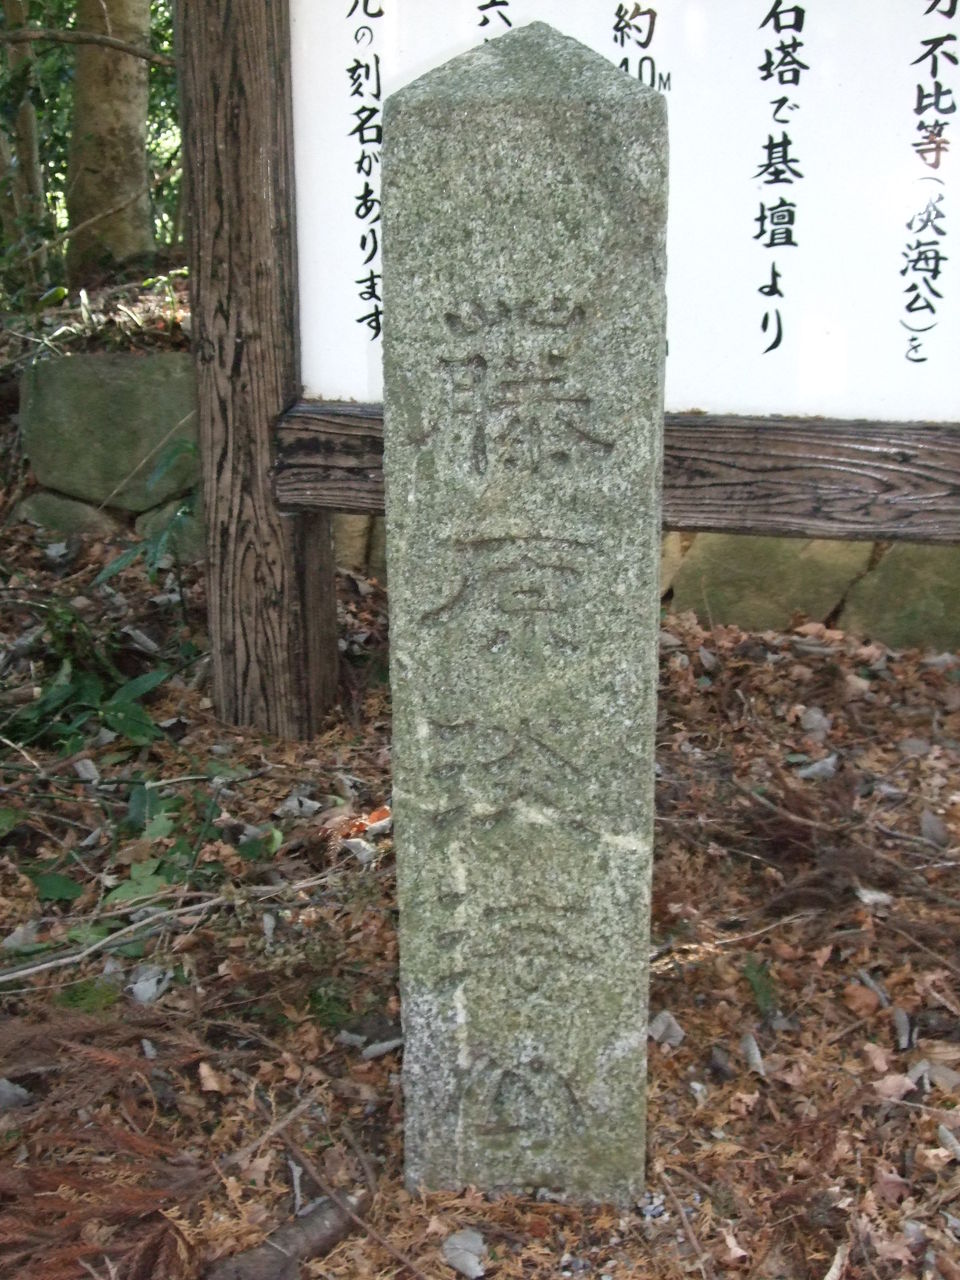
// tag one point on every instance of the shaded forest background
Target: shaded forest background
(89, 146)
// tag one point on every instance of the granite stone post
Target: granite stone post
(524, 202)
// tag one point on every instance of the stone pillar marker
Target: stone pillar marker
(524, 210)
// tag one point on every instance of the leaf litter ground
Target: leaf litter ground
(202, 1030)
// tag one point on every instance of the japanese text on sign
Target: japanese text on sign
(782, 69)
(366, 98)
(773, 308)
(923, 253)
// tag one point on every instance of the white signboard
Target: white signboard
(814, 205)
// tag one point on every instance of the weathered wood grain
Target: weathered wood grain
(271, 604)
(330, 456)
(812, 478)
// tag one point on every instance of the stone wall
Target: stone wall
(903, 594)
(95, 428)
(111, 441)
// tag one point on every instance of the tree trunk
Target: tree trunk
(23, 206)
(107, 166)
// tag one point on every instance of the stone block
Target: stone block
(760, 583)
(524, 202)
(95, 426)
(671, 558)
(351, 540)
(58, 514)
(911, 599)
(188, 538)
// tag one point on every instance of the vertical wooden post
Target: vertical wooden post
(272, 609)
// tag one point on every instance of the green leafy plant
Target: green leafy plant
(10, 819)
(86, 690)
(153, 550)
(328, 1004)
(167, 459)
(265, 845)
(145, 881)
(179, 826)
(51, 886)
(762, 984)
(89, 996)
(76, 701)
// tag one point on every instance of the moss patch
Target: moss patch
(760, 583)
(912, 598)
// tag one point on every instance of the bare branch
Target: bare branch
(24, 35)
(170, 172)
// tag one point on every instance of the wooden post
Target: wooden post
(272, 608)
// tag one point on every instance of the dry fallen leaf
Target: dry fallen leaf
(889, 1187)
(741, 1104)
(892, 1248)
(785, 950)
(463, 1251)
(256, 1170)
(877, 1057)
(944, 1051)
(860, 1000)
(734, 1252)
(894, 1086)
(212, 1081)
(794, 1075)
(945, 1078)
(933, 1158)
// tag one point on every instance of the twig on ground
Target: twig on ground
(838, 1265)
(366, 1164)
(845, 1031)
(325, 1189)
(677, 952)
(48, 815)
(278, 1126)
(111, 1273)
(706, 1267)
(137, 904)
(777, 924)
(694, 1181)
(785, 813)
(20, 695)
(894, 834)
(938, 956)
(15, 746)
(29, 971)
(279, 1256)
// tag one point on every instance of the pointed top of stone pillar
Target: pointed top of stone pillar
(537, 59)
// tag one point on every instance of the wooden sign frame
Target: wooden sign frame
(276, 466)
